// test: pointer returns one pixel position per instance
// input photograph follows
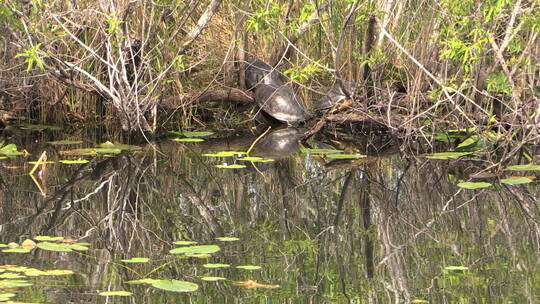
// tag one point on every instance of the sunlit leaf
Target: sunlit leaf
(249, 267)
(3, 245)
(202, 249)
(110, 145)
(196, 133)
(65, 142)
(213, 279)
(231, 166)
(141, 281)
(199, 255)
(182, 243)
(28, 244)
(344, 156)
(320, 151)
(227, 239)
(136, 260)
(41, 162)
(14, 284)
(216, 265)
(73, 161)
(10, 150)
(16, 250)
(516, 180)
(419, 301)
(527, 167)
(54, 247)
(474, 185)
(6, 296)
(189, 139)
(447, 155)
(11, 275)
(91, 151)
(224, 154)
(58, 272)
(256, 159)
(121, 293)
(175, 285)
(456, 268)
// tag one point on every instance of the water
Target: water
(379, 229)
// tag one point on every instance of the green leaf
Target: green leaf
(73, 162)
(54, 247)
(456, 268)
(110, 145)
(136, 260)
(447, 155)
(16, 250)
(344, 156)
(10, 150)
(227, 239)
(320, 151)
(189, 139)
(202, 249)
(232, 166)
(213, 279)
(92, 151)
(14, 284)
(249, 267)
(474, 185)
(174, 285)
(216, 265)
(195, 133)
(256, 159)
(10, 275)
(527, 167)
(33, 127)
(121, 293)
(6, 296)
(516, 180)
(224, 154)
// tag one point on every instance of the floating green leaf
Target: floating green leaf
(224, 154)
(3, 245)
(182, 243)
(456, 268)
(227, 239)
(10, 150)
(213, 279)
(516, 180)
(73, 161)
(121, 293)
(136, 260)
(14, 284)
(16, 250)
(10, 275)
(344, 156)
(110, 145)
(47, 238)
(61, 247)
(202, 249)
(41, 162)
(474, 185)
(33, 127)
(249, 267)
(92, 151)
(256, 159)
(231, 166)
(216, 265)
(189, 139)
(141, 281)
(197, 133)
(174, 285)
(527, 167)
(320, 151)
(447, 155)
(65, 142)
(6, 296)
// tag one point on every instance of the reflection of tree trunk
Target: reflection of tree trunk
(344, 193)
(365, 209)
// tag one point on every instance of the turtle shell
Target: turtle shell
(259, 72)
(336, 94)
(281, 103)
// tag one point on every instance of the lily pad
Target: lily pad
(121, 293)
(6, 296)
(256, 159)
(447, 155)
(196, 133)
(474, 185)
(216, 265)
(213, 279)
(174, 285)
(11, 275)
(14, 284)
(10, 150)
(516, 180)
(527, 167)
(47, 238)
(202, 249)
(91, 151)
(110, 145)
(344, 156)
(16, 250)
(189, 139)
(320, 151)
(227, 239)
(231, 166)
(73, 161)
(136, 260)
(224, 154)
(249, 267)
(34, 127)
(61, 247)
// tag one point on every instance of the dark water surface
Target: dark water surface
(380, 229)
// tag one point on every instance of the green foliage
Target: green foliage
(497, 82)
(32, 57)
(302, 74)
(265, 19)
(113, 23)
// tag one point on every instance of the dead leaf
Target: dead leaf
(252, 284)
(28, 244)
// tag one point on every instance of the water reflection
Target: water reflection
(373, 230)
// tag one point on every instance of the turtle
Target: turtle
(280, 102)
(259, 72)
(336, 94)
